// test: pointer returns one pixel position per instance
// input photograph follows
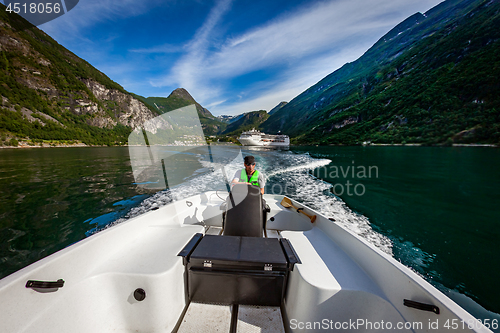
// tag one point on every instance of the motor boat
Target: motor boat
(131, 278)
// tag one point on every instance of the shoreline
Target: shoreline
(25, 145)
(403, 145)
(49, 144)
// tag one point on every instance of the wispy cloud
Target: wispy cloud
(226, 71)
(290, 83)
(317, 33)
(187, 71)
(165, 48)
(211, 105)
(89, 12)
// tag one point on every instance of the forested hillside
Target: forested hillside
(433, 79)
(48, 93)
(247, 121)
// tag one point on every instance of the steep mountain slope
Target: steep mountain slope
(277, 107)
(432, 79)
(229, 119)
(179, 98)
(48, 93)
(247, 122)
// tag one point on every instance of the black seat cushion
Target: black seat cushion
(245, 214)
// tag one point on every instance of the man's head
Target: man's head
(249, 164)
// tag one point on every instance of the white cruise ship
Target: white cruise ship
(256, 138)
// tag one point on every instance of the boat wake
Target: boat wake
(287, 173)
(290, 174)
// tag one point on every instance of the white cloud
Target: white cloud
(266, 95)
(289, 41)
(165, 48)
(296, 49)
(211, 105)
(187, 71)
(89, 12)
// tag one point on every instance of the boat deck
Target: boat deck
(208, 318)
(225, 318)
(342, 278)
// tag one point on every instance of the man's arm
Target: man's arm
(262, 182)
(236, 178)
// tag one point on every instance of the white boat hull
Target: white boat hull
(256, 138)
(342, 278)
(254, 142)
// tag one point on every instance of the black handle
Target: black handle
(421, 306)
(290, 253)
(189, 247)
(45, 284)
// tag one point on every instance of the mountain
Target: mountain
(246, 122)
(277, 107)
(179, 98)
(229, 119)
(48, 93)
(433, 79)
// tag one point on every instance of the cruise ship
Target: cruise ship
(257, 138)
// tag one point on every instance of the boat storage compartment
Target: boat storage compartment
(237, 269)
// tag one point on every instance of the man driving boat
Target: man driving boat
(249, 175)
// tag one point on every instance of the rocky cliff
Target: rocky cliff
(49, 93)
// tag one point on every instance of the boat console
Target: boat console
(239, 267)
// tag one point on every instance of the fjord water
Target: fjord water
(47, 195)
(439, 206)
(434, 209)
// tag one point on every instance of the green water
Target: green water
(440, 206)
(46, 194)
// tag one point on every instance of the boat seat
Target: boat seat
(154, 251)
(245, 215)
(325, 265)
(329, 281)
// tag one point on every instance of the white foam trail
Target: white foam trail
(298, 184)
(287, 174)
(306, 167)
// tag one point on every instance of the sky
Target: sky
(233, 56)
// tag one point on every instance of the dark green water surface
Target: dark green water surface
(439, 207)
(47, 194)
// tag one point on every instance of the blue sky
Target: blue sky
(233, 56)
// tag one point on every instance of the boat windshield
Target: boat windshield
(170, 152)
